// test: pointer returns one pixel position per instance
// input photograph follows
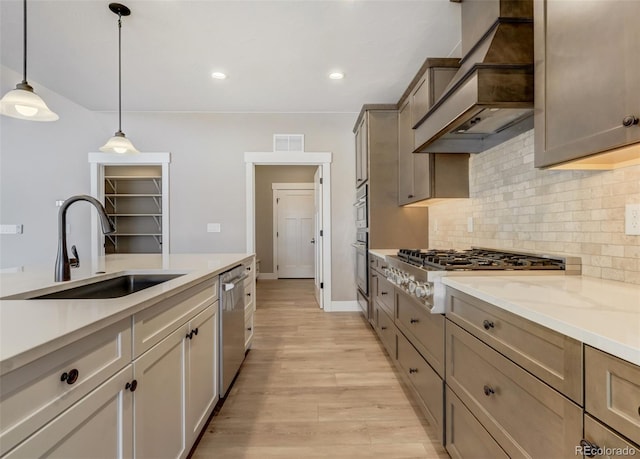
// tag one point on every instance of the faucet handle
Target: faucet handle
(75, 261)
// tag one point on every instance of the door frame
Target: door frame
(321, 159)
(275, 187)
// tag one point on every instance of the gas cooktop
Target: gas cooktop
(478, 259)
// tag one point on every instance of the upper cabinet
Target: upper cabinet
(587, 78)
(362, 151)
(425, 176)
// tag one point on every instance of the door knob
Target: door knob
(313, 241)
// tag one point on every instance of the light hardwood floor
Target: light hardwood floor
(314, 385)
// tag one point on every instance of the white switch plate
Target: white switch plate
(469, 224)
(632, 219)
(213, 227)
(10, 229)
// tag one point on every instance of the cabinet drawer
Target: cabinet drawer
(385, 295)
(386, 331)
(551, 356)
(465, 436)
(248, 330)
(612, 392)
(423, 329)
(601, 437)
(156, 322)
(248, 299)
(34, 394)
(516, 408)
(426, 382)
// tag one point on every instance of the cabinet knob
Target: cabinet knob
(70, 377)
(414, 321)
(488, 391)
(359, 180)
(384, 293)
(413, 370)
(249, 329)
(409, 196)
(630, 120)
(383, 328)
(132, 386)
(488, 324)
(589, 449)
(249, 294)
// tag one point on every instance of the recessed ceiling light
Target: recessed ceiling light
(336, 75)
(218, 75)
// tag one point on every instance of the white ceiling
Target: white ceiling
(277, 54)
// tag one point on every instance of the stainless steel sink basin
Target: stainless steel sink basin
(109, 288)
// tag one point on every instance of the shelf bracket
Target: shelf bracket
(156, 182)
(158, 203)
(159, 241)
(158, 222)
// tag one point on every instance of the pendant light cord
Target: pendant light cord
(119, 72)
(24, 52)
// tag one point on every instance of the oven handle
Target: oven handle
(226, 286)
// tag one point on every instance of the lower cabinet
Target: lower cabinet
(602, 442)
(525, 416)
(177, 387)
(466, 438)
(98, 426)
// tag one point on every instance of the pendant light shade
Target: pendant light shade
(119, 142)
(22, 102)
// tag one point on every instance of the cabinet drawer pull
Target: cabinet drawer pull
(409, 196)
(413, 370)
(488, 324)
(132, 386)
(630, 120)
(383, 328)
(414, 321)
(384, 293)
(589, 449)
(70, 377)
(249, 294)
(488, 391)
(249, 329)
(195, 331)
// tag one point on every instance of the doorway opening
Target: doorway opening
(320, 221)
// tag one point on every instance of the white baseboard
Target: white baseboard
(344, 306)
(268, 276)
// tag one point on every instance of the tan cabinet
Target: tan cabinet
(587, 78)
(550, 356)
(525, 416)
(465, 436)
(362, 152)
(389, 225)
(601, 442)
(425, 330)
(385, 295)
(425, 381)
(612, 392)
(425, 176)
(386, 330)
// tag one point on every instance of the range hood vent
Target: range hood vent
(490, 99)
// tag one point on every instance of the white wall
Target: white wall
(42, 162)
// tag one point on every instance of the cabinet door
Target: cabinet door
(201, 370)
(587, 77)
(414, 178)
(362, 152)
(159, 403)
(98, 426)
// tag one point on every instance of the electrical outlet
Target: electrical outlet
(632, 219)
(213, 227)
(10, 229)
(469, 224)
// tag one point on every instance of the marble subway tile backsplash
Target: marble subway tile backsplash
(516, 206)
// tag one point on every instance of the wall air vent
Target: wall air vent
(288, 142)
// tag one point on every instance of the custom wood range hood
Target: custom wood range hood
(491, 97)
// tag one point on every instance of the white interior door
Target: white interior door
(295, 233)
(317, 225)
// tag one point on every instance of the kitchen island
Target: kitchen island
(70, 367)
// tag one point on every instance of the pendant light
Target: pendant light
(119, 142)
(22, 102)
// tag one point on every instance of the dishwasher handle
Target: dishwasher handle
(226, 286)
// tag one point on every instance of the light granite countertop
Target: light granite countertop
(601, 313)
(30, 329)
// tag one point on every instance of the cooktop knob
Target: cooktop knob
(412, 286)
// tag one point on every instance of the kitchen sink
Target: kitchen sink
(115, 287)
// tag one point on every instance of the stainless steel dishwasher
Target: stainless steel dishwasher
(231, 325)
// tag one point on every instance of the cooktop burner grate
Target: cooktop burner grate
(478, 259)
